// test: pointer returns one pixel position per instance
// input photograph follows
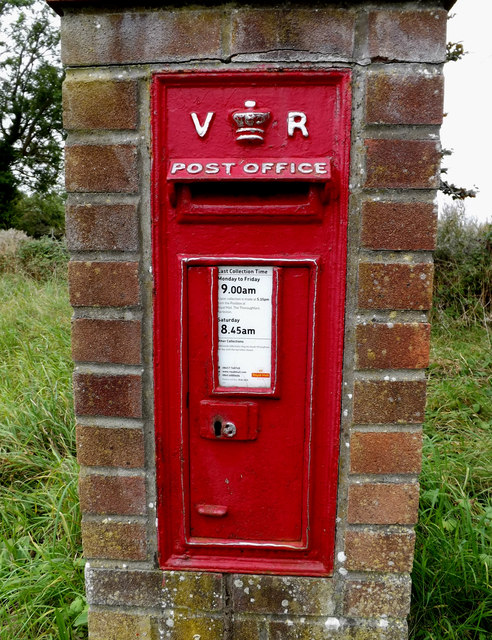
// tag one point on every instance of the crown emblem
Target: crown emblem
(250, 124)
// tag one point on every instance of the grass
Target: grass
(452, 577)
(41, 584)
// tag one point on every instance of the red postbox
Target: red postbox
(250, 175)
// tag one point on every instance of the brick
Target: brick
(119, 587)
(282, 595)
(402, 164)
(392, 346)
(179, 626)
(114, 540)
(372, 599)
(385, 452)
(386, 402)
(399, 226)
(383, 503)
(103, 284)
(102, 227)
(100, 104)
(297, 630)
(247, 628)
(108, 395)
(124, 495)
(404, 99)
(408, 36)
(200, 591)
(167, 35)
(101, 168)
(325, 31)
(105, 447)
(115, 341)
(395, 286)
(336, 629)
(110, 625)
(379, 551)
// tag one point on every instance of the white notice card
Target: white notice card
(245, 326)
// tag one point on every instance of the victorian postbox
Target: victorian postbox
(250, 191)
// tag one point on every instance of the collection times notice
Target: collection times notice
(245, 326)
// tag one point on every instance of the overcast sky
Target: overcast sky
(467, 126)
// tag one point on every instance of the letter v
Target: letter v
(202, 129)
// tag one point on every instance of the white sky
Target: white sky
(467, 127)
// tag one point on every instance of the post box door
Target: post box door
(249, 451)
(250, 193)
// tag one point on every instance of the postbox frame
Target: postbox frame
(173, 553)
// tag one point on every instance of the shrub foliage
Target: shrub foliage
(463, 267)
(40, 258)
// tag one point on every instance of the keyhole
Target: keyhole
(218, 428)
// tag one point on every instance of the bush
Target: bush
(39, 258)
(43, 257)
(463, 267)
(10, 240)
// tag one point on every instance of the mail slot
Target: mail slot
(250, 193)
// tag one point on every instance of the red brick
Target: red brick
(102, 227)
(385, 452)
(124, 495)
(404, 99)
(399, 226)
(402, 164)
(100, 104)
(385, 402)
(379, 551)
(114, 540)
(383, 503)
(167, 35)
(322, 30)
(103, 284)
(395, 286)
(101, 168)
(374, 599)
(411, 36)
(108, 395)
(116, 341)
(393, 346)
(107, 447)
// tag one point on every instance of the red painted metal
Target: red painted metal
(250, 170)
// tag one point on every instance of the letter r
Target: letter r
(297, 120)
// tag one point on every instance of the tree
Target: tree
(30, 104)
(454, 52)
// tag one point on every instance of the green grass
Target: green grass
(41, 583)
(452, 577)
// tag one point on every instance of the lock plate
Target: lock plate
(228, 421)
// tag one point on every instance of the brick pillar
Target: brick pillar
(395, 51)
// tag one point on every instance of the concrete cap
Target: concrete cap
(59, 5)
